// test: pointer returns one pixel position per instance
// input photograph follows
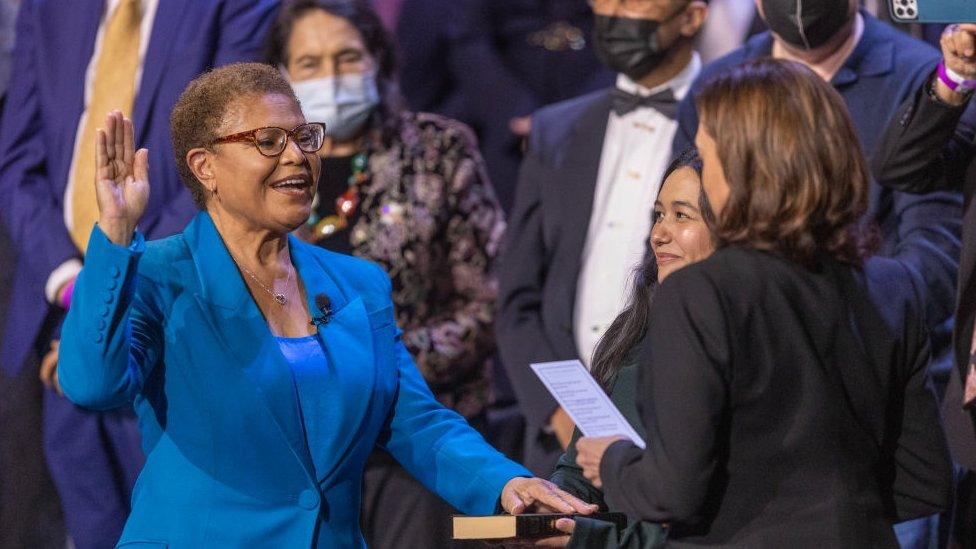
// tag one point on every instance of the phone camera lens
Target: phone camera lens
(911, 12)
(900, 12)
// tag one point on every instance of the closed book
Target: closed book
(520, 526)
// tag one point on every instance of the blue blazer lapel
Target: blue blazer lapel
(242, 330)
(348, 342)
(169, 17)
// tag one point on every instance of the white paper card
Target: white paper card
(583, 399)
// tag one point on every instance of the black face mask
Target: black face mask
(629, 46)
(817, 21)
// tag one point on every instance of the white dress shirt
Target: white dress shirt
(636, 151)
(726, 27)
(69, 269)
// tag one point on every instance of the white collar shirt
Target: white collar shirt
(636, 151)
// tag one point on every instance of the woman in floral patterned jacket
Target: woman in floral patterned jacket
(410, 192)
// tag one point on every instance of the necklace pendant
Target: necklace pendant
(280, 298)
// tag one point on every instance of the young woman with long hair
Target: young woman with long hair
(681, 234)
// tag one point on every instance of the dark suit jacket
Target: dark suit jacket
(480, 61)
(927, 147)
(784, 407)
(885, 68)
(540, 259)
(45, 100)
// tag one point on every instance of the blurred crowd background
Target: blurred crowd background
(483, 67)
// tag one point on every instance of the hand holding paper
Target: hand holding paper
(584, 400)
(589, 454)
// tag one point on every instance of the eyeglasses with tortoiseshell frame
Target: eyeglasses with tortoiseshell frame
(271, 141)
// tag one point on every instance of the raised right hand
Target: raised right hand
(122, 179)
(958, 44)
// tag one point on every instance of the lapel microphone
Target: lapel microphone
(324, 306)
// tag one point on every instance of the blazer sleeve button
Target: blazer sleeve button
(308, 499)
(115, 272)
(107, 296)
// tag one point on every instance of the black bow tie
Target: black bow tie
(663, 102)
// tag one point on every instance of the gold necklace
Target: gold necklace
(278, 296)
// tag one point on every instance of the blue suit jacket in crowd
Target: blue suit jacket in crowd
(921, 231)
(171, 327)
(45, 100)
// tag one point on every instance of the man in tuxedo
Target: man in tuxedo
(583, 204)
(72, 63)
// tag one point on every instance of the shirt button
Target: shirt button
(114, 271)
(101, 324)
(308, 499)
(595, 329)
(104, 311)
(107, 296)
(112, 284)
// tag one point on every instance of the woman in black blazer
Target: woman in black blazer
(783, 380)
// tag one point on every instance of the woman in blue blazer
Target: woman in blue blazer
(263, 370)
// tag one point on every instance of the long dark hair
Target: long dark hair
(379, 43)
(630, 325)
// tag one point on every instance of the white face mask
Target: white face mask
(343, 102)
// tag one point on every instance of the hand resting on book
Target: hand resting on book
(537, 495)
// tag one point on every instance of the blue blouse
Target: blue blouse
(319, 390)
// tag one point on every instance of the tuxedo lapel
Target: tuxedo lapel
(242, 330)
(580, 169)
(582, 166)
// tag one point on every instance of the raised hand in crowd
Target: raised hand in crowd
(121, 180)
(958, 45)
